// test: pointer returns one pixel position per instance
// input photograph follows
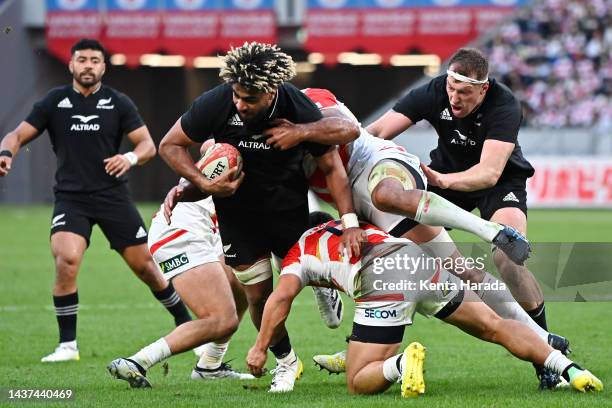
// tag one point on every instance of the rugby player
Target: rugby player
(372, 362)
(388, 191)
(188, 250)
(86, 121)
(478, 162)
(273, 184)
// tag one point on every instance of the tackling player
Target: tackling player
(188, 250)
(372, 362)
(388, 190)
(478, 162)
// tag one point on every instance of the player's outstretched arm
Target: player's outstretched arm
(389, 125)
(12, 142)
(331, 130)
(493, 159)
(340, 190)
(144, 150)
(275, 313)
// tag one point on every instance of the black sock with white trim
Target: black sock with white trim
(66, 308)
(172, 301)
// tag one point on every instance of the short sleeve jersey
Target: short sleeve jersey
(460, 141)
(84, 131)
(274, 180)
(315, 260)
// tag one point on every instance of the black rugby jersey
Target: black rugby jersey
(460, 141)
(274, 179)
(84, 131)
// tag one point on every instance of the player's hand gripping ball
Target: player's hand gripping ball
(219, 158)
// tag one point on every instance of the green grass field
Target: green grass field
(118, 316)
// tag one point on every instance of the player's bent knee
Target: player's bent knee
(256, 273)
(390, 169)
(226, 325)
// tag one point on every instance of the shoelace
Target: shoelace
(281, 368)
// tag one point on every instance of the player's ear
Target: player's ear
(71, 66)
(485, 87)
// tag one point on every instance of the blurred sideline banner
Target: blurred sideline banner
(401, 26)
(70, 20)
(570, 182)
(178, 27)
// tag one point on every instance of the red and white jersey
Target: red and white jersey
(354, 155)
(316, 261)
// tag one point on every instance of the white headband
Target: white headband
(463, 78)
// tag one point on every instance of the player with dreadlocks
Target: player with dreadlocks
(264, 210)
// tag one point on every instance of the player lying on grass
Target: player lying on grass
(189, 252)
(380, 317)
(389, 191)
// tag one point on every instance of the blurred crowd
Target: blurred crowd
(556, 55)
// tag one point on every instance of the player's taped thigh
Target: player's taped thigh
(258, 272)
(389, 169)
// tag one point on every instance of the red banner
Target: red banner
(68, 21)
(571, 182)
(391, 27)
(191, 33)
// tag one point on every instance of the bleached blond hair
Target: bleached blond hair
(257, 66)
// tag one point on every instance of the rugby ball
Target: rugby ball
(219, 158)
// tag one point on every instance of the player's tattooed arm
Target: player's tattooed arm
(12, 142)
(485, 174)
(275, 313)
(333, 129)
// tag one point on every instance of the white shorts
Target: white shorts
(362, 199)
(177, 250)
(397, 307)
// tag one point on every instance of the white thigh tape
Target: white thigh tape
(258, 272)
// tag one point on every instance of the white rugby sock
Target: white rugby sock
(152, 354)
(557, 362)
(437, 211)
(289, 359)
(70, 344)
(503, 303)
(391, 369)
(212, 355)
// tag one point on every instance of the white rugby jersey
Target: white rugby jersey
(354, 155)
(316, 261)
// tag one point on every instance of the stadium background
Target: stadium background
(565, 89)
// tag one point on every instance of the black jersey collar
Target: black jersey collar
(93, 93)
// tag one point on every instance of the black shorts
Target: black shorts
(250, 235)
(510, 193)
(377, 334)
(111, 209)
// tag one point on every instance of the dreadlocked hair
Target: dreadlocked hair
(262, 67)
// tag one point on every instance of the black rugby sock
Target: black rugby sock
(66, 308)
(172, 301)
(539, 316)
(282, 348)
